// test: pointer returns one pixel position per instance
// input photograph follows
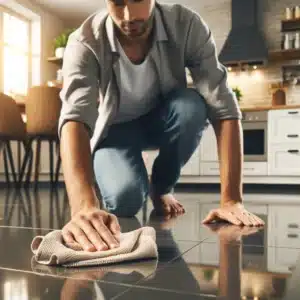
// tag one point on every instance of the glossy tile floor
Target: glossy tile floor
(195, 261)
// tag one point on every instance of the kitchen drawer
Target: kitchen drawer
(284, 226)
(208, 146)
(284, 160)
(209, 169)
(192, 167)
(284, 126)
(249, 169)
(288, 238)
(282, 260)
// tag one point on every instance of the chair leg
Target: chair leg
(19, 157)
(37, 162)
(28, 154)
(6, 166)
(11, 162)
(58, 163)
(28, 178)
(51, 161)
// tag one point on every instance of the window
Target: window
(20, 53)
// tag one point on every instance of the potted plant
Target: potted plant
(238, 93)
(60, 43)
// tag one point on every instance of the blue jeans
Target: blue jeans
(174, 127)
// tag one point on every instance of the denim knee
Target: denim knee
(189, 106)
(126, 201)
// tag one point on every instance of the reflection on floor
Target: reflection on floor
(195, 262)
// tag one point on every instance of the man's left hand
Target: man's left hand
(234, 213)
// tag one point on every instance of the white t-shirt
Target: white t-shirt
(138, 85)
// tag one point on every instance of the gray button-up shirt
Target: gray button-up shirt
(90, 94)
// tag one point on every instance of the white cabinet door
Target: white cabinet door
(209, 168)
(208, 146)
(249, 169)
(149, 158)
(284, 126)
(192, 167)
(283, 237)
(284, 226)
(284, 160)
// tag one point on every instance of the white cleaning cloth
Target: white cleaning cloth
(51, 250)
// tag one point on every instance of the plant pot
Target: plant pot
(59, 52)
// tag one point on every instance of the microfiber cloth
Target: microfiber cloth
(134, 245)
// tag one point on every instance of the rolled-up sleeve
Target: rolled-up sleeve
(80, 89)
(208, 74)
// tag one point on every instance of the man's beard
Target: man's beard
(136, 28)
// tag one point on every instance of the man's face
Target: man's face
(132, 17)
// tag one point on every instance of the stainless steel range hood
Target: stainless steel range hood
(246, 43)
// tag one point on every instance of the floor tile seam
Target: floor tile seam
(205, 241)
(167, 264)
(67, 277)
(163, 290)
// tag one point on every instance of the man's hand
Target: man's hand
(234, 213)
(93, 229)
(230, 233)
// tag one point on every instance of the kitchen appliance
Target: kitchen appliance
(255, 130)
(246, 43)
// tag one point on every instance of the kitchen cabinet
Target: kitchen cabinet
(284, 126)
(192, 167)
(284, 142)
(208, 146)
(249, 169)
(285, 160)
(283, 237)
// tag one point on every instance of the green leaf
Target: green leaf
(62, 39)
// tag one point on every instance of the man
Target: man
(125, 89)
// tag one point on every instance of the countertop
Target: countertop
(269, 107)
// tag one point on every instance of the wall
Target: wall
(255, 86)
(51, 26)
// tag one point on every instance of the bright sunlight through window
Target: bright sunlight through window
(20, 54)
(16, 55)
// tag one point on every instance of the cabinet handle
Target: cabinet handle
(293, 136)
(293, 112)
(293, 226)
(292, 236)
(293, 151)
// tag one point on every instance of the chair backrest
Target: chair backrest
(42, 108)
(12, 126)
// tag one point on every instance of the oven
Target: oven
(255, 131)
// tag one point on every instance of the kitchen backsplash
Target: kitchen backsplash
(255, 84)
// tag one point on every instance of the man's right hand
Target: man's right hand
(93, 229)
